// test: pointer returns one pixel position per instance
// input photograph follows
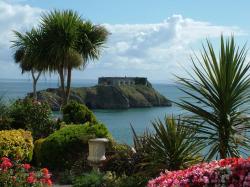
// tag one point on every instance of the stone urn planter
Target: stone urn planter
(97, 150)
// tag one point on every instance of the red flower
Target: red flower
(46, 181)
(45, 171)
(49, 182)
(31, 178)
(6, 163)
(5, 159)
(26, 166)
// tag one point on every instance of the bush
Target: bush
(77, 113)
(109, 179)
(61, 149)
(225, 172)
(15, 174)
(5, 120)
(16, 144)
(92, 179)
(34, 116)
(120, 159)
(37, 149)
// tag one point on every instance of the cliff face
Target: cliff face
(108, 97)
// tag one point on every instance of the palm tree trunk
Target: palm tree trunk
(223, 146)
(35, 79)
(68, 83)
(62, 87)
(222, 151)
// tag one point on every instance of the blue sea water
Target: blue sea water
(117, 121)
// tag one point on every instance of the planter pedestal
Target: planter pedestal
(97, 150)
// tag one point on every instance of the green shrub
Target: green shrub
(33, 116)
(37, 149)
(92, 179)
(61, 149)
(5, 120)
(120, 159)
(77, 113)
(109, 179)
(65, 177)
(16, 144)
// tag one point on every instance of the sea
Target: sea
(117, 121)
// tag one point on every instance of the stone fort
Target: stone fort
(118, 81)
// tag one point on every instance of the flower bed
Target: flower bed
(232, 172)
(14, 174)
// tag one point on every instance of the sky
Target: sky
(151, 38)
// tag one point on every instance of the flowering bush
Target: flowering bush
(14, 174)
(16, 144)
(232, 172)
(32, 115)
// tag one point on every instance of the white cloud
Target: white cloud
(153, 50)
(156, 50)
(13, 17)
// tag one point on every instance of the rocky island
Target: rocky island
(110, 93)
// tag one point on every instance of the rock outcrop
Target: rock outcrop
(108, 97)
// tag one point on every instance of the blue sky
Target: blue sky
(221, 12)
(149, 38)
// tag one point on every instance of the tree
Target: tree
(218, 89)
(70, 42)
(27, 51)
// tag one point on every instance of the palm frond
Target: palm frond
(221, 86)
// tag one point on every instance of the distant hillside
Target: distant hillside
(108, 97)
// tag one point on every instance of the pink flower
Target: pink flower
(229, 171)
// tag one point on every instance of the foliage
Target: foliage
(225, 172)
(171, 147)
(220, 85)
(5, 120)
(70, 42)
(112, 180)
(92, 179)
(15, 174)
(27, 50)
(69, 144)
(16, 144)
(134, 180)
(34, 116)
(37, 149)
(109, 179)
(65, 177)
(77, 113)
(120, 159)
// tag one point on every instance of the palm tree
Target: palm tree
(70, 42)
(218, 89)
(27, 54)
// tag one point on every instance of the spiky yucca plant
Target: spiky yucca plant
(172, 146)
(218, 89)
